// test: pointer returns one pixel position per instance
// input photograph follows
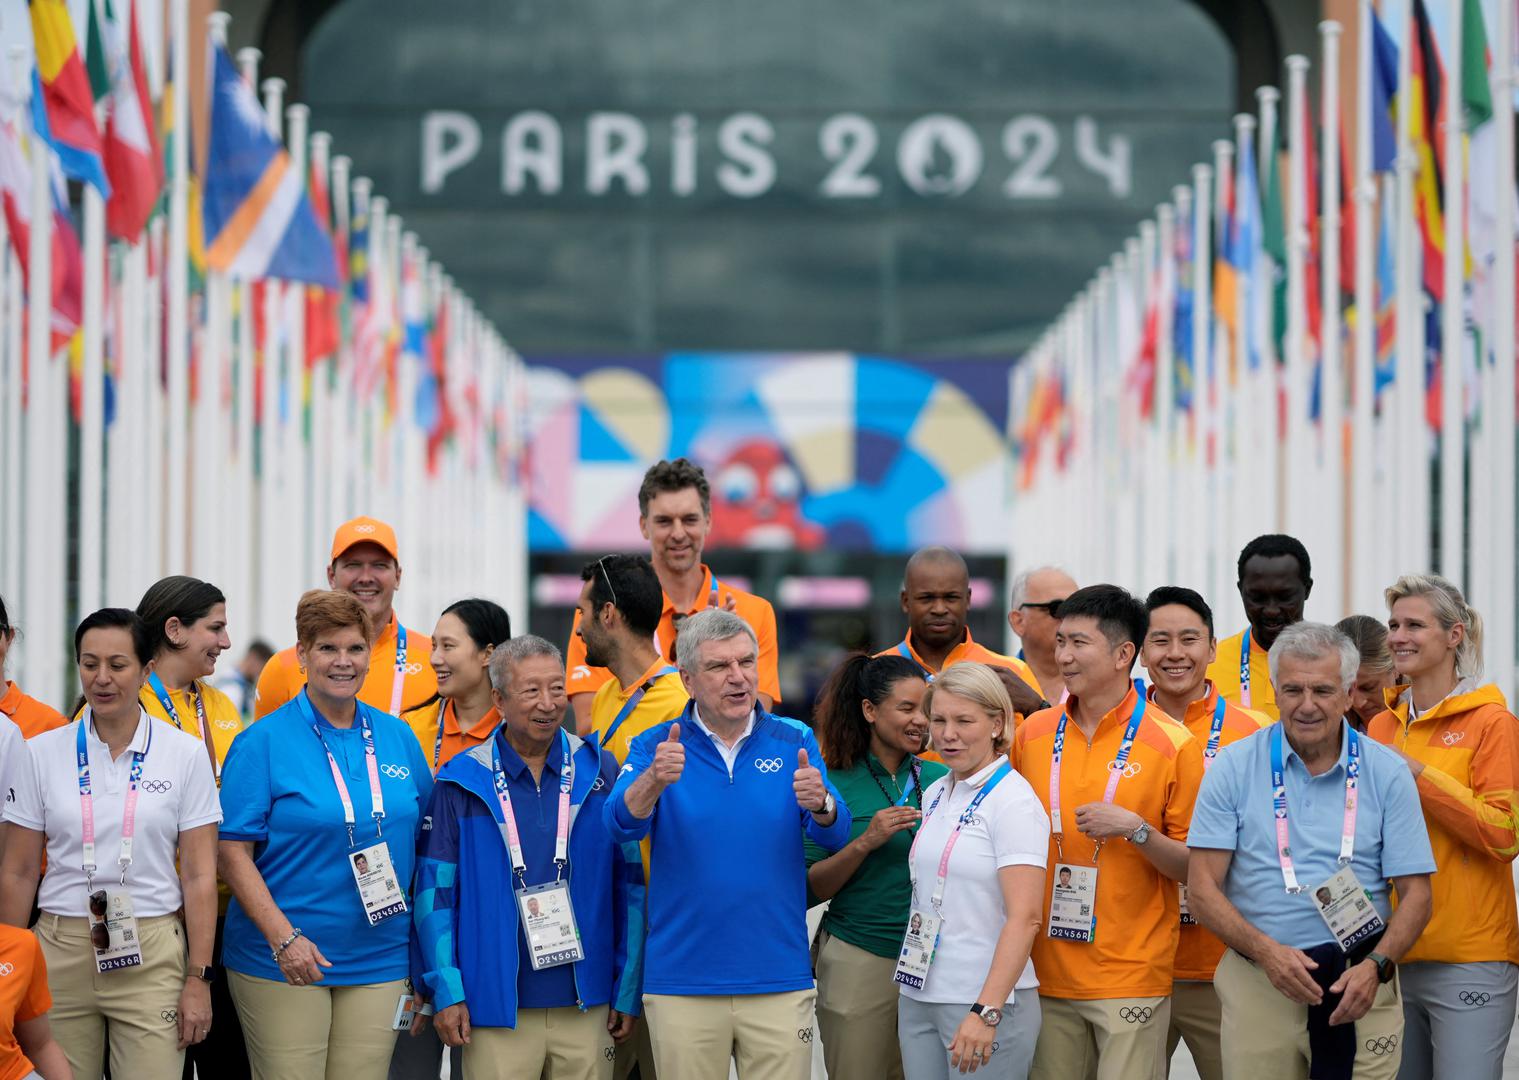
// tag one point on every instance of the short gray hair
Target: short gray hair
(711, 624)
(515, 649)
(1312, 641)
(1018, 591)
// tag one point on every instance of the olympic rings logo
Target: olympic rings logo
(157, 787)
(1451, 738)
(768, 764)
(1136, 1014)
(1475, 997)
(805, 1034)
(609, 1053)
(7, 968)
(363, 528)
(227, 725)
(1382, 1046)
(413, 669)
(395, 772)
(170, 1016)
(1129, 770)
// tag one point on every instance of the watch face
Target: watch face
(992, 1016)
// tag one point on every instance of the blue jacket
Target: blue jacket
(466, 915)
(727, 870)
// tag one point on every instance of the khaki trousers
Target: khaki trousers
(138, 1006)
(1264, 1034)
(636, 1053)
(857, 1012)
(551, 1044)
(1195, 1015)
(1108, 1039)
(311, 1032)
(768, 1035)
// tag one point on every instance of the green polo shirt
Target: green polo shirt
(870, 912)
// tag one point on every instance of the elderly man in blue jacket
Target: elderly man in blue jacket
(524, 901)
(726, 792)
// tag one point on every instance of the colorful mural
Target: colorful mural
(804, 451)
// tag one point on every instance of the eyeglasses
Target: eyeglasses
(1050, 607)
(602, 562)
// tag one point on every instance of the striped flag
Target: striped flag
(16, 197)
(258, 220)
(133, 160)
(63, 110)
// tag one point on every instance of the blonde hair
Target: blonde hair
(321, 611)
(979, 685)
(1450, 608)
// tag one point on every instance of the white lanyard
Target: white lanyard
(1115, 771)
(1279, 804)
(371, 762)
(509, 818)
(966, 815)
(87, 802)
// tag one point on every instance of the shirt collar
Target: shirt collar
(659, 664)
(388, 635)
(1118, 716)
(949, 658)
(449, 718)
(701, 596)
(1289, 752)
(748, 727)
(1200, 709)
(976, 780)
(904, 768)
(10, 701)
(512, 763)
(139, 743)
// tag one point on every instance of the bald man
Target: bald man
(1036, 594)
(936, 601)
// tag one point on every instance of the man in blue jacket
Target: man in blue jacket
(726, 793)
(524, 901)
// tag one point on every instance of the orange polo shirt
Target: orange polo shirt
(456, 740)
(1469, 747)
(23, 995)
(282, 677)
(1199, 950)
(1133, 953)
(754, 610)
(967, 651)
(29, 714)
(1224, 673)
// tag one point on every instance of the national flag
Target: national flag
(258, 220)
(1427, 112)
(133, 160)
(194, 234)
(324, 331)
(1384, 87)
(1225, 282)
(1246, 251)
(1386, 304)
(442, 427)
(1183, 370)
(63, 111)
(1274, 244)
(1312, 259)
(65, 263)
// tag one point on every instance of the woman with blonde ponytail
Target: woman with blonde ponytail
(1461, 980)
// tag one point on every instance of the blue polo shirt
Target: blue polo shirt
(536, 806)
(278, 792)
(1234, 813)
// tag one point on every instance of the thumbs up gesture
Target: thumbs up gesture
(669, 759)
(807, 782)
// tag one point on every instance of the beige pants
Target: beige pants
(554, 1044)
(768, 1035)
(139, 1005)
(1109, 1039)
(857, 1012)
(1264, 1034)
(1195, 1016)
(311, 1032)
(637, 1052)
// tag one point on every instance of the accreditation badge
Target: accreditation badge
(548, 922)
(918, 945)
(1346, 909)
(113, 931)
(379, 885)
(1073, 902)
(1187, 918)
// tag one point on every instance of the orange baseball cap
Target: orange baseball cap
(365, 530)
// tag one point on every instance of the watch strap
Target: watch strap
(205, 974)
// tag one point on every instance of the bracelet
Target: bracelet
(289, 941)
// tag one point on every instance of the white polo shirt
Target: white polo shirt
(1009, 828)
(176, 793)
(12, 754)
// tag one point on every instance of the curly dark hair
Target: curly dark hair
(674, 475)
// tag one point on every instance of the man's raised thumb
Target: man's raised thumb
(801, 758)
(674, 735)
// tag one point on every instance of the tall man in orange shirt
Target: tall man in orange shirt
(366, 562)
(1118, 778)
(1275, 578)
(675, 516)
(1178, 648)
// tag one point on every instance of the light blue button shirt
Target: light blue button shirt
(1234, 814)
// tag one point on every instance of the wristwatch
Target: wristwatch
(1385, 967)
(990, 1013)
(828, 805)
(202, 973)
(1141, 835)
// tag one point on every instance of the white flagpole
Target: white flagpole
(1215, 380)
(1164, 456)
(1411, 433)
(1500, 620)
(297, 448)
(92, 407)
(1202, 347)
(377, 469)
(1263, 398)
(1363, 542)
(44, 498)
(154, 436)
(1299, 497)
(1331, 557)
(1453, 321)
(177, 256)
(11, 423)
(322, 437)
(344, 404)
(1243, 498)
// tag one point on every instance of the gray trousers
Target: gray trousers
(925, 1031)
(1457, 1019)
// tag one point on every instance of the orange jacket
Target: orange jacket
(1469, 747)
